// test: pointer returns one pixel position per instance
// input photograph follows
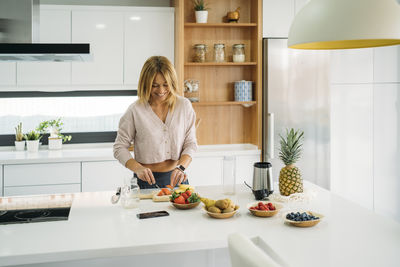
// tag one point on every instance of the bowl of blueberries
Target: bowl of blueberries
(303, 219)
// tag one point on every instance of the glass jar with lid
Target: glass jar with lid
(238, 53)
(219, 52)
(200, 51)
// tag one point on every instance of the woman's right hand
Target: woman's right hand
(146, 175)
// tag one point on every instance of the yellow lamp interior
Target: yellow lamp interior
(346, 44)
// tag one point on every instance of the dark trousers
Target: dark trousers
(162, 180)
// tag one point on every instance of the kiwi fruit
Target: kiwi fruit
(229, 209)
(222, 204)
(214, 209)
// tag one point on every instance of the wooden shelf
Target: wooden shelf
(231, 25)
(221, 64)
(223, 121)
(224, 103)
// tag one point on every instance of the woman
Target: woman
(161, 125)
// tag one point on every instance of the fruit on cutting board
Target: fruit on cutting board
(183, 187)
(219, 206)
(164, 192)
(290, 180)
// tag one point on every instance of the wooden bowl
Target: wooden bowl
(264, 213)
(186, 206)
(220, 215)
(305, 223)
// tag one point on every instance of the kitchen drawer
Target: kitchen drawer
(42, 174)
(41, 189)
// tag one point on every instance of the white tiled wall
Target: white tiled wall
(365, 127)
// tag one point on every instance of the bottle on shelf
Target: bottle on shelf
(238, 53)
(200, 51)
(219, 52)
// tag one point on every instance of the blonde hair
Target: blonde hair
(152, 66)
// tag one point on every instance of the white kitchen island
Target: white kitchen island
(101, 234)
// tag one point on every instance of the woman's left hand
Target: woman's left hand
(177, 177)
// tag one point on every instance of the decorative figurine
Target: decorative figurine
(233, 16)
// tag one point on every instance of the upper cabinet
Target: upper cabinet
(278, 15)
(121, 39)
(55, 27)
(157, 26)
(104, 30)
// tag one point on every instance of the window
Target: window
(89, 116)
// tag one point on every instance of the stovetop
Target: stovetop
(34, 215)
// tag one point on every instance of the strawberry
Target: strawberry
(188, 192)
(186, 201)
(179, 200)
(185, 196)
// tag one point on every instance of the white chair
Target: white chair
(244, 253)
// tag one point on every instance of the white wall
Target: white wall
(365, 127)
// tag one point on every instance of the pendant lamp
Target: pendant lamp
(345, 24)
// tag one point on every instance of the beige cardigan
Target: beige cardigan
(153, 140)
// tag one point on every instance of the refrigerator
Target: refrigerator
(296, 94)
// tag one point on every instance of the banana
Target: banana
(208, 202)
(185, 186)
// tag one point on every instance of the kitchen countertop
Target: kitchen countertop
(103, 152)
(349, 235)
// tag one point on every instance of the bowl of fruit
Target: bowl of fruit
(185, 200)
(264, 208)
(219, 209)
(303, 219)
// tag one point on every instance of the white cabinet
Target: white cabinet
(244, 168)
(55, 27)
(46, 178)
(386, 147)
(277, 17)
(205, 171)
(352, 142)
(104, 30)
(157, 26)
(103, 176)
(7, 73)
(41, 189)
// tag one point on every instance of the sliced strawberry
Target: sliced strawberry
(179, 200)
(161, 193)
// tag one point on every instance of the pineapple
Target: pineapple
(290, 180)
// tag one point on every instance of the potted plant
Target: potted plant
(19, 138)
(54, 127)
(201, 11)
(32, 141)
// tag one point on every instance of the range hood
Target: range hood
(19, 36)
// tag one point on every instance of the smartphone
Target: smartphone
(152, 214)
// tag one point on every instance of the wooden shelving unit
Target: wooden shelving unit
(224, 103)
(230, 25)
(220, 64)
(223, 120)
